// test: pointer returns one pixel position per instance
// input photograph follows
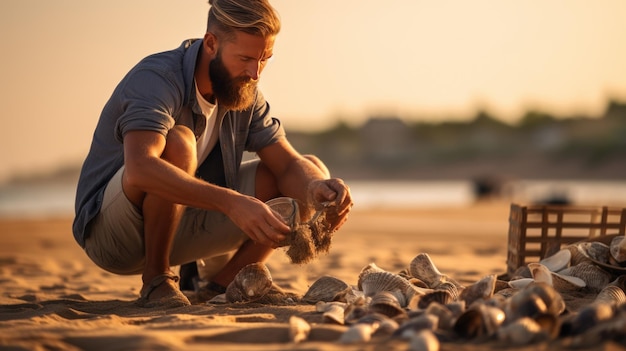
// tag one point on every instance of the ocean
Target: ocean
(57, 199)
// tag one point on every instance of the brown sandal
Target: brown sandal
(174, 299)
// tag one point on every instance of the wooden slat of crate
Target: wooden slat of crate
(535, 231)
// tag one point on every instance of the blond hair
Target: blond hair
(256, 17)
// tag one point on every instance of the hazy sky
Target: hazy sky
(333, 59)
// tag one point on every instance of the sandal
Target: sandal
(175, 298)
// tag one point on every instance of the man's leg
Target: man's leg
(161, 217)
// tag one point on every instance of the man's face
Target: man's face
(236, 68)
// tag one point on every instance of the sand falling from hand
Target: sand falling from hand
(309, 240)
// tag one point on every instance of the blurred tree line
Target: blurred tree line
(539, 145)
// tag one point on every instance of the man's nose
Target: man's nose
(254, 70)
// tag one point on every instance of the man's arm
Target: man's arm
(299, 178)
(148, 171)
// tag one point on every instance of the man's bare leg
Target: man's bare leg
(161, 217)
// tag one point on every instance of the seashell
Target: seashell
(560, 282)
(594, 277)
(375, 282)
(549, 324)
(439, 296)
(611, 295)
(370, 268)
(323, 306)
(387, 304)
(384, 324)
(595, 250)
(520, 283)
(586, 318)
(299, 329)
(521, 272)
(450, 287)
(354, 313)
(251, 283)
(334, 313)
(358, 333)
(327, 288)
(424, 340)
(500, 285)
(287, 208)
(558, 261)
(617, 248)
(480, 290)
(422, 267)
(525, 304)
(422, 322)
(523, 331)
(445, 315)
(480, 321)
(550, 296)
(506, 293)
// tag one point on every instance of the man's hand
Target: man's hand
(332, 190)
(258, 221)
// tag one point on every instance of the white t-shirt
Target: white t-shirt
(208, 139)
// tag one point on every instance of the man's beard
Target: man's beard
(232, 93)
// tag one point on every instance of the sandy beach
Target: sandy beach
(54, 298)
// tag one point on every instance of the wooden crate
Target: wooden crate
(537, 231)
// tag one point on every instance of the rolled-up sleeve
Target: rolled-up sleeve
(147, 101)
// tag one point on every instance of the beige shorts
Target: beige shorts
(115, 237)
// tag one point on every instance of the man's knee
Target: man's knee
(180, 148)
(318, 163)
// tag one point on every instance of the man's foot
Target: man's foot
(162, 291)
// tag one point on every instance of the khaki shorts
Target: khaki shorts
(115, 237)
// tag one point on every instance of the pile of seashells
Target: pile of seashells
(566, 300)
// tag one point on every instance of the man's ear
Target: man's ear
(210, 43)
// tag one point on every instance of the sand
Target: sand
(54, 298)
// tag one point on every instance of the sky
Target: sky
(333, 61)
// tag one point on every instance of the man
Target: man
(164, 183)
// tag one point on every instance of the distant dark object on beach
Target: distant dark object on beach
(487, 187)
(555, 199)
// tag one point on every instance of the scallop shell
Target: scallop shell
(521, 272)
(370, 268)
(375, 282)
(299, 329)
(611, 295)
(422, 267)
(617, 249)
(251, 283)
(559, 282)
(558, 261)
(439, 296)
(387, 304)
(480, 290)
(594, 277)
(450, 288)
(327, 288)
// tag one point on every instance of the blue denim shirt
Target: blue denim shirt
(156, 94)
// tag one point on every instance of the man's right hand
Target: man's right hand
(258, 221)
